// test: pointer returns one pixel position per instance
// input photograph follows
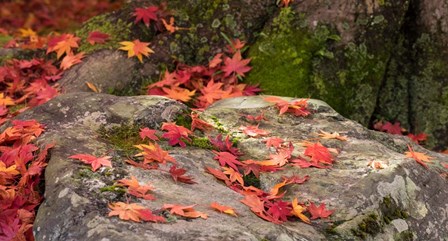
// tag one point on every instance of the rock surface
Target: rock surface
(403, 201)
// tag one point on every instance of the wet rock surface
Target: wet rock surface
(403, 201)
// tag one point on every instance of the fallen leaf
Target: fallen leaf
(419, 157)
(176, 134)
(318, 153)
(126, 211)
(178, 175)
(297, 210)
(148, 133)
(135, 189)
(234, 175)
(319, 212)
(95, 162)
(146, 14)
(70, 59)
(334, 135)
(97, 37)
(185, 211)
(136, 48)
(227, 158)
(92, 87)
(253, 131)
(236, 65)
(223, 209)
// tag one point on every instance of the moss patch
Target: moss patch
(118, 31)
(122, 137)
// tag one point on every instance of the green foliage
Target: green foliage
(118, 31)
(122, 137)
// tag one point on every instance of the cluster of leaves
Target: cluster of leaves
(396, 129)
(21, 166)
(203, 85)
(267, 205)
(51, 14)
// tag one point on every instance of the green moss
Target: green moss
(404, 236)
(86, 172)
(122, 137)
(201, 142)
(5, 58)
(118, 31)
(113, 188)
(252, 180)
(218, 125)
(184, 120)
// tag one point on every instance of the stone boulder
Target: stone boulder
(403, 201)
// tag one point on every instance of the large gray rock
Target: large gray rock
(404, 201)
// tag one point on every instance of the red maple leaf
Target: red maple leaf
(218, 174)
(279, 211)
(146, 14)
(176, 134)
(95, 162)
(97, 37)
(71, 59)
(224, 145)
(197, 123)
(236, 65)
(253, 131)
(319, 212)
(153, 152)
(135, 189)
(318, 153)
(302, 163)
(178, 175)
(275, 142)
(392, 128)
(418, 138)
(227, 158)
(148, 133)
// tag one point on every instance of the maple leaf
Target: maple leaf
(185, 211)
(6, 100)
(297, 108)
(218, 174)
(257, 118)
(147, 215)
(235, 45)
(225, 145)
(334, 135)
(92, 87)
(255, 203)
(126, 211)
(236, 65)
(135, 189)
(227, 158)
(95, 162)
(197, 123)
(319, 212)
(279, 211)
(179, 93)
(70, 59)
(296, 179)
(251, 167)
(253, 131)
(97, 37)
(300, 162)
(148, 133)
(146, 14)
(275, 142)
(418, 138)
(390, 128)
(276, 188)
(217, 60)
(176, 134)
(233, 175)
(178, 175)
(63, 44)
(223, 209)
(318, 153)
(419, 157)
(286, 3)
(136, 48)
(170, 26)
(153, 152)
(377, 165)
(297, 210)
(213, 92)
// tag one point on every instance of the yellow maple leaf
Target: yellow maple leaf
(297, 210)
(136, 48)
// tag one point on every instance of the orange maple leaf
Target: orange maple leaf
(126, 211)
(234, 175)
(153, 152)
(223, 209)
(64, 44)
(419, 157)
(334, 135)
(179, 93)
(185, 211)
(70, 59)
(135, 189)
(136, 48)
